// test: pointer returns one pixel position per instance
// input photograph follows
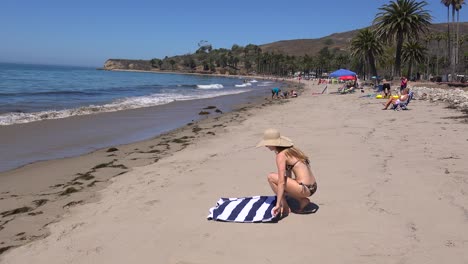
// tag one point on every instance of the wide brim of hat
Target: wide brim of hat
(281, 142)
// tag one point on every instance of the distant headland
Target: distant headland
(282, 58)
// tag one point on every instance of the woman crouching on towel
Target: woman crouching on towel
(289, 160)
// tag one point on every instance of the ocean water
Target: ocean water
(52, 112)
(38, 92)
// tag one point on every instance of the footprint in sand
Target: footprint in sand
(152, 202)
(450, 243)
(19, 210)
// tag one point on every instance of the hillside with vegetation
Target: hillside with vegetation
(426, 50)
(339, 42)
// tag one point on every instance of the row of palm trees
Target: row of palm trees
(398, 39)
(403, 24)
(400, 21)
(453, 38)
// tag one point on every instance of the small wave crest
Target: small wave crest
(243, 85)
(263, 84)
(121, 104)
(210, 86)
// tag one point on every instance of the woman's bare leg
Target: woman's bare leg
(298, 192)
(391, 100)
(292, 188)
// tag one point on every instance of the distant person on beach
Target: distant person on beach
(293, 93)
(275, 92)
(359, 85)
(386, 89)
(402, 98)
(289, 160)
(404, 83)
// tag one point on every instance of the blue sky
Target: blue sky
(86, 32)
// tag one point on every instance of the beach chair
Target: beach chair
(403, 105)
(342, 89)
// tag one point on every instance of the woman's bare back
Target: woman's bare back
(302, 171)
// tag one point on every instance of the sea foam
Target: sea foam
(243, 85)
(264, 84)
(118, 105)
(210, 86)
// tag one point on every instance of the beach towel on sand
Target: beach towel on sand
(253, 209)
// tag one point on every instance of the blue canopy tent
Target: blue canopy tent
(342, 72)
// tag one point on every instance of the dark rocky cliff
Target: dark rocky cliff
(122, 64)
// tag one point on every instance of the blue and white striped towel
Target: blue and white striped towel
(253, 209)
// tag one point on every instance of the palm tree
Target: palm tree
(325, 57)
(447, 4)
(413, 52)
(400, 20)
(438, 38)
(366, 45)
(452, 44)
(427, 40)
(386, 60)
(458, 6)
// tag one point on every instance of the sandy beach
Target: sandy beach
(392, 188)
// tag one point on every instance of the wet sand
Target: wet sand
(38, 194)
(392, 188)
(51, 139)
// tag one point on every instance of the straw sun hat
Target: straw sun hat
(272, 137)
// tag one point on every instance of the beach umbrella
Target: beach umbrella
(342, 72)
(347, 77)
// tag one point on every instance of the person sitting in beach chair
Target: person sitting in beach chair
(346, 88)
(293, 93)
(403, 98)
(350, 90)
(403, 105)
(342, 88)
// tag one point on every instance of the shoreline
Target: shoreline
(260, 77)
(18, 116)
(108, 126)
(378, 203)
(45, 190)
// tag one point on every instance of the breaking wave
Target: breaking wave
(210, 86)
(264, 84)
(118, 105)
(243, 85)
